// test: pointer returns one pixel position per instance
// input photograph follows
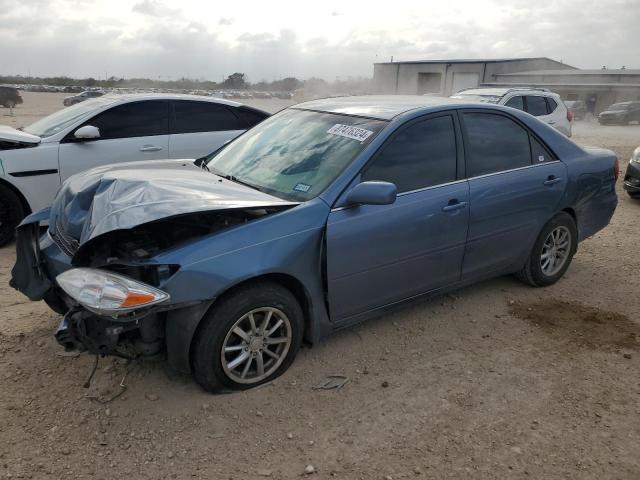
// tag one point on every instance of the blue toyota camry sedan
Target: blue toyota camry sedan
(325, 214)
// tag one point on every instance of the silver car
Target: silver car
(547, 106)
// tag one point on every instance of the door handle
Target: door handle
(150, 148)
(551, 122)
(454, 205)
(552, 180)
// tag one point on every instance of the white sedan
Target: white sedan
(35, 160)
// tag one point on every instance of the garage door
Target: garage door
(464, 80)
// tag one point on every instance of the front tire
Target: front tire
(249, 338)
(552, 252)
(11, 214)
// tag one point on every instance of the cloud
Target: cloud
(153, 8)
(167, 41)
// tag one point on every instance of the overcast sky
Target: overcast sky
(329, 39)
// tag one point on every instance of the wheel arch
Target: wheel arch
(183, 325)
(18, 193)
(291, 283)
(571, 212)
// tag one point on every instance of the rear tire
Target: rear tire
(10, 103)
(233, 348)
(552, 252)
(11, 214)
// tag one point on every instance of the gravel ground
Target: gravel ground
(497, 380)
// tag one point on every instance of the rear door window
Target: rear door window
(494, 143)
(536, 106)
(136, 119)
(419, 156)
(191, 116)
(516, 102)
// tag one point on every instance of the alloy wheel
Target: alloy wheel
(256, 345)
(555, 251)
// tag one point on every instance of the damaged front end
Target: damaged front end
(97, 264)
(119, 305)
(131, 330)
(84, 331)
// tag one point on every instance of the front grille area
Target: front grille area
(65, 242)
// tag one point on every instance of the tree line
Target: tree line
(235, 81)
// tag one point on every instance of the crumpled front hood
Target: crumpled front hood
(11, 134)
(126, 195)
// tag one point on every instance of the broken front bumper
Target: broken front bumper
(28, 275)
(38, 261)
(80, 330)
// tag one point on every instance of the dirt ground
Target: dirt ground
(495, 381)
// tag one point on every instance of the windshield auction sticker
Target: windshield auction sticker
(302, 187)
(348, 131)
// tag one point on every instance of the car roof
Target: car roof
(501, 91)
(496, 92)
(129, 97)
(382, 107)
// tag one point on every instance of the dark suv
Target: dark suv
(620, 113)
(9, 96)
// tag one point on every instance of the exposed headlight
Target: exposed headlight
(107, 293)
(635, 157)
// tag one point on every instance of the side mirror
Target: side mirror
(372, 193)
(88, 132)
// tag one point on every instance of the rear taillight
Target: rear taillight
(616, 169)
(570, 115)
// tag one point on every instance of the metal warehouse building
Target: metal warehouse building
(445, 77)
(598, 88)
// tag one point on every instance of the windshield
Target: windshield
(619, 106)
(295, 154)
(473, 97)
(61, 119)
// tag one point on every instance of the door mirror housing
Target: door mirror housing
(88, 132)
(372, 193)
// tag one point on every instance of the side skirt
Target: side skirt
(379, 311)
